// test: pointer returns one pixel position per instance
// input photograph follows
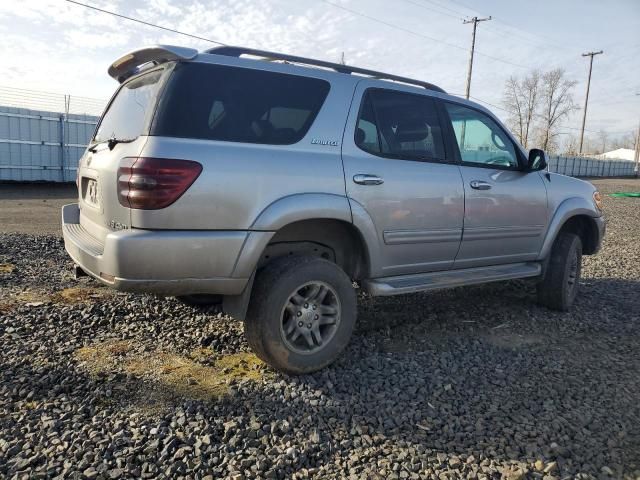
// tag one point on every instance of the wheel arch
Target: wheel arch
(574, 215)
(302, 222)
(329, 238)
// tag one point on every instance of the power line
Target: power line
(461, 16)
(417, 34)
(145, 23)
(507, 24)
(457, 17)
(457, 12)
(512, 32)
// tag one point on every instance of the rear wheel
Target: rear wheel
(559, 286)
(301, 315)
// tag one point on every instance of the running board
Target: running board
(451, 278)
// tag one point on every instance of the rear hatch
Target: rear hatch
(121, 133)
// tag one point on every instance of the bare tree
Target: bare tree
(627, 140)
(603, 138)
(521, 98)
(571, 145)
(557, 103)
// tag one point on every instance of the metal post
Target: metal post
(67, 102)
(586, 99)
(62, 142)
(636, 157)
(475, 21)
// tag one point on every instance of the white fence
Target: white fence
(591, 167)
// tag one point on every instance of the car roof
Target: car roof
(304, 61)
(137, 61)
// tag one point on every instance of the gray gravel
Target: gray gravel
(465, 383)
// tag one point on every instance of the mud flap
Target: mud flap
(236, 305)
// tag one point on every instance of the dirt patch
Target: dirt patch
(202, 375)
(6, 268)
(69, 296)
(80, 295)
(27, 297)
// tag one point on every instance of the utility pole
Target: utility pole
(586, 99)
(475, 21)
(342, 62)
(636, 156)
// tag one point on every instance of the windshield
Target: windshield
(126, 117)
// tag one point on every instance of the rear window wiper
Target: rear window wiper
(112, 142)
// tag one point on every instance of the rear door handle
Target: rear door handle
(480, 185)
(366, 179)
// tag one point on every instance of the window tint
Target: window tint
(232, 104)
(126, 117)
(400, 125)
(480, 139)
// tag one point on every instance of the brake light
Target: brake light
(151, 183)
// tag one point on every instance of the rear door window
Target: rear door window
(128, 113)
(214, 102)
(399, 125)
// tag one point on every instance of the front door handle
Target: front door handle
(480, 185)
(366, 179)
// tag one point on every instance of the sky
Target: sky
(56, 46)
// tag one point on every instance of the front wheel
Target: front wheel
(301, 315)
(559, 286)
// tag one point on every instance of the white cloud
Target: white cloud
(55, 44)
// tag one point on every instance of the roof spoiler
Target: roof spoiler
(130, 64)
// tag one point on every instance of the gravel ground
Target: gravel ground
(464, 383)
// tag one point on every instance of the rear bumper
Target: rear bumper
(152, 261)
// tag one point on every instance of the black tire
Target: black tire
(559, 286)
(271, 310)
(200, 299)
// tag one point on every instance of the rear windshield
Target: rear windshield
(127, 115)
(215, 102)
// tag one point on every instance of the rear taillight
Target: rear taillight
(152, 183)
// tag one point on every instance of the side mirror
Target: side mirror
(537, 160)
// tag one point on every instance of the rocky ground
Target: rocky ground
(465, 383)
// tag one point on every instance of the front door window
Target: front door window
(480, 140)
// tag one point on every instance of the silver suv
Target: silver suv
(275, 182)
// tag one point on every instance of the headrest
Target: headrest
(360, 136)
(412, 130)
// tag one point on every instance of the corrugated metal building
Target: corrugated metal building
(39, 145)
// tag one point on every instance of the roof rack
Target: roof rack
(231, 51)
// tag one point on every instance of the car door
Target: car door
(505, 207)
(400, 175)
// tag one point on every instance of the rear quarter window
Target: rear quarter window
(214, 102)
(130, 109)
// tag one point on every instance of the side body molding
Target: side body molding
(568, 208)
(303, 206)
